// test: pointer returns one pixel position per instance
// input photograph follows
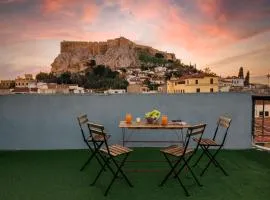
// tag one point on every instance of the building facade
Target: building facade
(137, 88)
(25, 82)
(6, 84)
(198, 83)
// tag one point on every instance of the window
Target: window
(181, 82)
(198, 90)
(196, 81)
(187, 82)
(261, 113)
(211, 81)
(211, 90)
(266, 113)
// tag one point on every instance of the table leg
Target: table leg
(123, 136)
(182, 135)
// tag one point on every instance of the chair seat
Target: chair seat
(98, 138)
(116, 150)
(175, 150)
(206, 142)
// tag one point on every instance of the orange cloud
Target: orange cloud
(145, 10)
(51, 6)
(208, 7)
(90, 12)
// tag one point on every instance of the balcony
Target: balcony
(35, 124)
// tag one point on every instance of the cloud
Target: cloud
(90, 12)
(11, 1)
(232, 59)
(145, 10)
(51, 6)
(200, 28)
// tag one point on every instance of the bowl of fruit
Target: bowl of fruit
(152, 117)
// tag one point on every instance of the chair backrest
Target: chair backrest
(195, 131)
(97, 129)
(224, 123)
(82, 120)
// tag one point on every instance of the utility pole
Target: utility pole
(268, 77)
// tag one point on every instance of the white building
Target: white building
(160, 69)
(239, 82)
(234, 81)
(76, 89)
(115, 91)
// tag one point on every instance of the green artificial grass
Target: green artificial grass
(40, 175)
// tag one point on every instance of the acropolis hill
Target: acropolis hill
(115, 53)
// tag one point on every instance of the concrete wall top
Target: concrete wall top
(49, 121)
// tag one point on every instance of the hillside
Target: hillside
(116, 53)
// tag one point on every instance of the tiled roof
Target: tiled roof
(201, 75)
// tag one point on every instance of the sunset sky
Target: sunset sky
(220, 34)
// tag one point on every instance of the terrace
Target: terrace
(55, 175)
(45, 130)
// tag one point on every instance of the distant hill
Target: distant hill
(116, 53)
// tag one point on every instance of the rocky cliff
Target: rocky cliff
(116, 53)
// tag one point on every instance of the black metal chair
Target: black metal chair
(183, 155)
(88, 140)
(223, 124)
(110, 154)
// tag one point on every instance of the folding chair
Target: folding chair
(183, 155)
(205, 143)
(88, 140)
(110, 154)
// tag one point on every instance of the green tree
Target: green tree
(168, 75)
(46, 78)
(159, 55)
(246, 82)
(241, 72)
(42, 77)
(64, 78)
(100, 70)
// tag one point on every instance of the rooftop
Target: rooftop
(55, 175)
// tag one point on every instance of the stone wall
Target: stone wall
(100, 48)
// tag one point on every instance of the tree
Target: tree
(65, 78)
(159, 55)
(241, 73)
(42, 77)
(100, 70)
(46, 78)
(168, 75)
(246, 82)
(207, 70)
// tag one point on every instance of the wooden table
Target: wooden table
(144, 125)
